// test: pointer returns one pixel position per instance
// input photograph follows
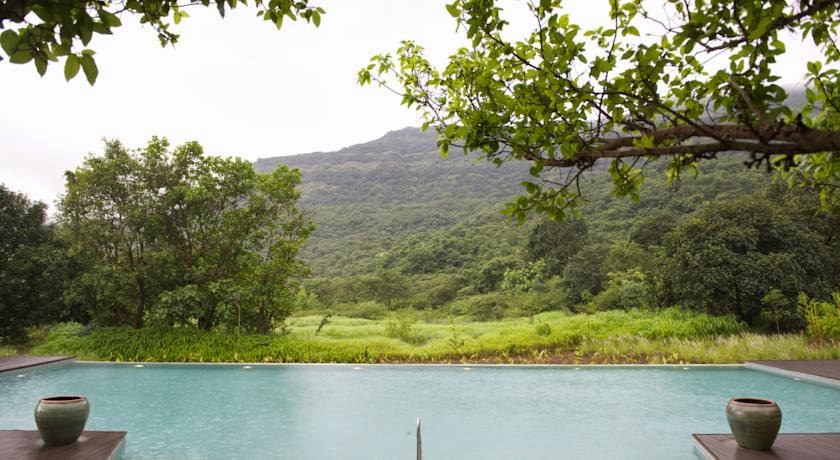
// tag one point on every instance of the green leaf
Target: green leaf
(453, 10)
(9, 41)
(89, 67)
(41, 65)
(85, 31)
(762, 27)
(111, 20)
(71, 67)
(21, 57)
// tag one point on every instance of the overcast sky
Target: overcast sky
(237, 85)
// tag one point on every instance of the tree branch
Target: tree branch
(789, 140)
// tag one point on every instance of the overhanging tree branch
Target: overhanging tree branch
(564, 97)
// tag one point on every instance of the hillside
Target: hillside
(397, 191)
(370, 197)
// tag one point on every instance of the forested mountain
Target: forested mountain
(392, 194)
(370, 197)
(401, 227)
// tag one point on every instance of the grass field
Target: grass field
(667, 336)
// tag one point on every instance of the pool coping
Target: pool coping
(359, 366)
(372, 365)
(33, 361)
(793, 374)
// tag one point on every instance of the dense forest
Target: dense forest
(401, 227)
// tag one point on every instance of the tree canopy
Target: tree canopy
(730, 255)
(33, 266)
(43, 31)
(687, 80)
(177, 237)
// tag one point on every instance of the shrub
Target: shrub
(543, 330)
(535, 301)
(58, 335)
(486, 307)
(525, 278)
(6, 350)
(822, 319)
(624, 290)
(370, 309)
(401, 327)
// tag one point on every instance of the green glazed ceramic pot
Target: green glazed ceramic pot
(61, 419)
(755, 422)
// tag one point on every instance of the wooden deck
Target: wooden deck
(825, 370)
(788, 446)
(92, 445)
(11, 363)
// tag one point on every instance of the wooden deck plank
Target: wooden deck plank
(92, 445)
(823, 368)
(788, 446)
(10, 363)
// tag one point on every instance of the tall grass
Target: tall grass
(6, 350)
(669, 336)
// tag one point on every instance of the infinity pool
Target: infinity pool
(369, 412)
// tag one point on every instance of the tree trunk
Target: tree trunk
(205, 322)
(140, 310)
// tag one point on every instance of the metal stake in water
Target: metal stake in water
(419, 442)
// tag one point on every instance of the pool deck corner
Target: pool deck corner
(15, 362)
(792, 446)
(821, 370)
(92, 445)
(788, 446)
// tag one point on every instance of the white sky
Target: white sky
(237, 85)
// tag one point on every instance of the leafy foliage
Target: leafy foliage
(182, 238)
(34, 267)
(44, 31)
(563, 98)
(822, 318)
(729, 255)
(555, 242)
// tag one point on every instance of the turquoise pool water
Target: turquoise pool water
(369, 412)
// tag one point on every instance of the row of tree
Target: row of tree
(171, 237)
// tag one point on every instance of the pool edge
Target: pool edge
(793, 374)
(700, 450)
(454, 365)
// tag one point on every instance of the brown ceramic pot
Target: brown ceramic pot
(755, 422)
(61, 419)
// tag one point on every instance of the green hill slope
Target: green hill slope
(370, 197)
(375, 201)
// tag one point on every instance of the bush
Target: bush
(543, 330)
(624, 290)
(436, 290)
(822, 319)
(525, 278)
(487, 307)
(401, 327)
(58, 335)
(6, 350)
(370, 309)
(534, 301)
